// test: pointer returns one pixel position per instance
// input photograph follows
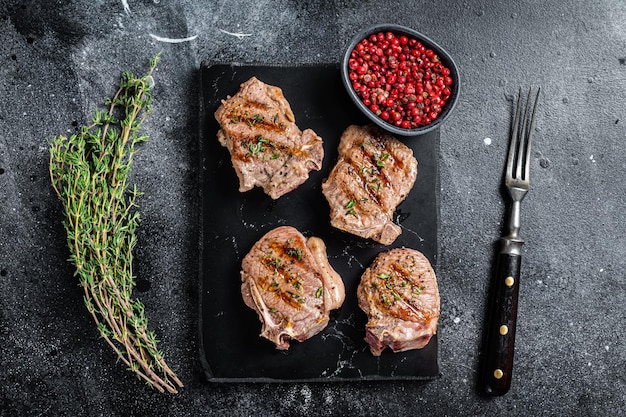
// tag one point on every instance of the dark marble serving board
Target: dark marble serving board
(232, 221)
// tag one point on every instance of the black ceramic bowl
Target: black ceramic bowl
(444, 57)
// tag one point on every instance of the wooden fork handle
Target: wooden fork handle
(502, 323)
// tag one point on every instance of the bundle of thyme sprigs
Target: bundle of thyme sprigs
(89, 172)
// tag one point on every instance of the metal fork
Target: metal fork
(503, 318)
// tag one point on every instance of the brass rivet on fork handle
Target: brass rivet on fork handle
(502, 319)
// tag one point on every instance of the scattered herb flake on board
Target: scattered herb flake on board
(89, 172)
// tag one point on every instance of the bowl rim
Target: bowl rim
(429, 43)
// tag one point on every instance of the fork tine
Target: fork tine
(522, 143)
(529, 138)
(513, 140)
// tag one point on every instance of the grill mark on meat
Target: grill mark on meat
(237, 117)
(388, 158)
(367, 173)
(369, 165)
(246, 139)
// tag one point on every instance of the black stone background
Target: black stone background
(59, 59)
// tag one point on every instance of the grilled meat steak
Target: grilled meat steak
(289, 282)
(374, 173)
(267, 148)
(399, 294)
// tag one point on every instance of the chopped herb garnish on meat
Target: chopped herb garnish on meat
(375, 184)
(319, 292)
(295, 252)
(350, 208)
(273, 261)
(235, 119)
(383, 275)
(273, 310)
(297, 285)
(365, 170)
(379, 161)
(418, 290)
(257, 118)
(297, 297)
(395, 295)
(367, 142)
(259, 146)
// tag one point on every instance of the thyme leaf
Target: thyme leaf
(350, 210)
(257, 118)
(295, 252)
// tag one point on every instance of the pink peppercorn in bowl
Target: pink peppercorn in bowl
(400, 79)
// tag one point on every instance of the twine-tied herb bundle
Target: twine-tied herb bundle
(89, 172)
